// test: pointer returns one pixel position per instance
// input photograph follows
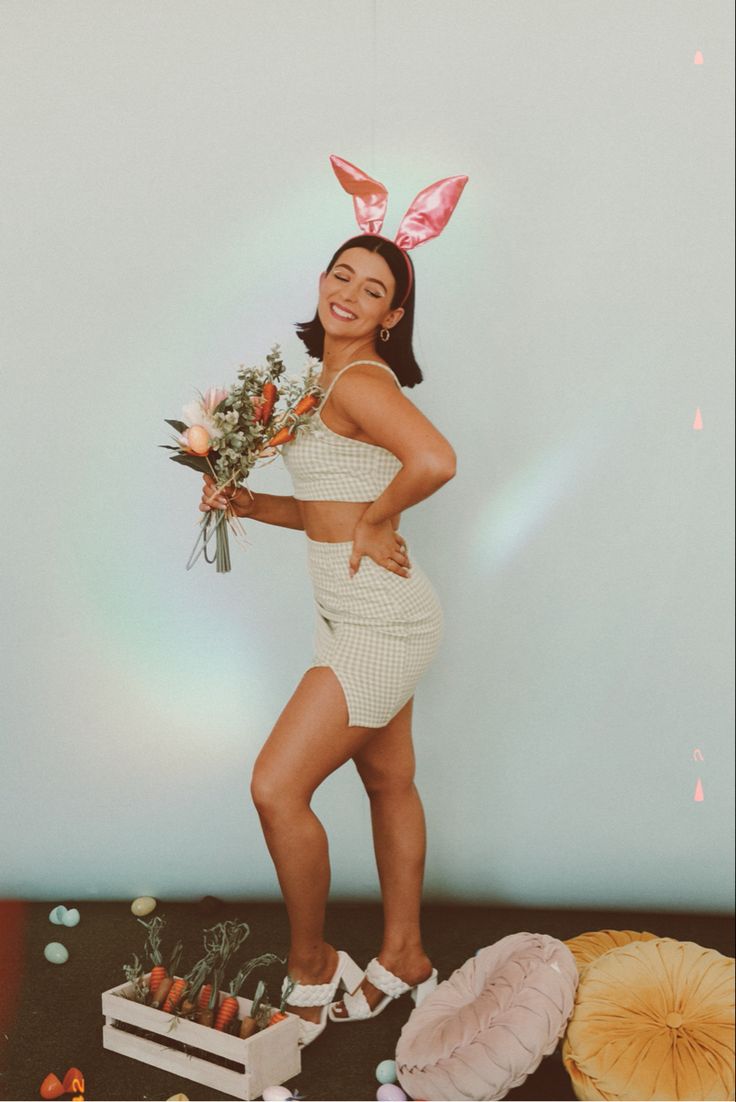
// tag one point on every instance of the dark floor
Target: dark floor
(55, 1021)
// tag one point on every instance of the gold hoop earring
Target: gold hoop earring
(387, 332)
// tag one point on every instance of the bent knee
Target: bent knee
(265, 791)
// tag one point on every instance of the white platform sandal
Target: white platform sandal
(357, 1006)
(347, 973)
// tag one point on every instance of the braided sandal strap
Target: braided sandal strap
(356, 1004)
(308, 1031)
(384, 980)
(310, 994)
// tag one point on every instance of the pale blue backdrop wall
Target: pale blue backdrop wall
(167, 206)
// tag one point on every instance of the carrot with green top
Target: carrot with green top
(280, 1014)
(302, 407)
(230, 935)
(305, 404)
(283, 436)
(226, 1011)
(213, 944)
(262, 1011)
(167, 982)
(270, 394)
(153, 949)
(187, 994)
(250, 1023)
(206, 1015)
(195, 981)
(229, 1005)
(174, 996)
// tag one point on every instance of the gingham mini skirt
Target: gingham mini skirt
(378, 630)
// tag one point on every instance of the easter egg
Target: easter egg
(52, 1087)
(71, 917)
(276, 1094)
(198, 439)
(390, 1092)
(69, 1084)
(386, 1071)
(177, 1098)
(143, 905)
(56, 952)
(57, 915)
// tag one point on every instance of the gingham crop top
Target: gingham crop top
(327, 466)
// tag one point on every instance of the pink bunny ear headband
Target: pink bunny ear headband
(426, 217)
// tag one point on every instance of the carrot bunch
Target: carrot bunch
(295, 416)
(189, 996)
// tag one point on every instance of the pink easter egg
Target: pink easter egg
(390, 1092)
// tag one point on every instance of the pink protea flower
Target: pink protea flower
(199, 412)
(213, 397)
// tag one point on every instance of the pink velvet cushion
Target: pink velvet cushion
(486, 1028)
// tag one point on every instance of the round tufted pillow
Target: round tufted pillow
(653, 1020)
(486, 1028)
(589, 946)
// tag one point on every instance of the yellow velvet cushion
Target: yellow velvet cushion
(653, 1019)
(589, 946)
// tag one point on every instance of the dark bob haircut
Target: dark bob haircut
(397, 350)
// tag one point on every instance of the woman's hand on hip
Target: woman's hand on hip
(382, 544)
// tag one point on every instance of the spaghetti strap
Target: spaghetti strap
(375, 362)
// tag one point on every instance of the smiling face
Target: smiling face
(361, 283)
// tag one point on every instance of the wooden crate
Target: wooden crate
(268, 1058)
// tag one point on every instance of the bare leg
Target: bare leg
(386, 766)
(309, 741)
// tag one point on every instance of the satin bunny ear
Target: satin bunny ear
(369, 197)
(430, 212)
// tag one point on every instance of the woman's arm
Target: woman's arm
(278, 509)
(412, 484)
(385, 414)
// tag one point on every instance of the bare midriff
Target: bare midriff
(334, 521)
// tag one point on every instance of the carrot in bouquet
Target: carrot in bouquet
(228, 431)
(293, 418)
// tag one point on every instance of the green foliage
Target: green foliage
(238, 437)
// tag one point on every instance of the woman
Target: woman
(379, 624)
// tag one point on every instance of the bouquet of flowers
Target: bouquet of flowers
(226, 432)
